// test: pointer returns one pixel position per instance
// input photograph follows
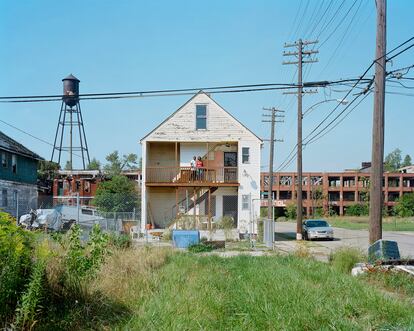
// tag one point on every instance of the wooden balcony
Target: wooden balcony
(185, 176)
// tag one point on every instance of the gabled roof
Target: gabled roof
(187, 102)
(11, 145)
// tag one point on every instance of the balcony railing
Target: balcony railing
(187, 175)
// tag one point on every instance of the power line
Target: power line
(340, 23)
(339, 122)
(31, 135)
(150, 91)
(126, 95)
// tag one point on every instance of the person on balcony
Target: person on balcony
(199, 166)
(193, 173)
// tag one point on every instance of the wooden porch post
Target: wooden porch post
(176, 155)
(209, 209)
(207, 169)
(194, 204)
(176, 202)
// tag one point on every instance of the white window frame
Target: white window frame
(248, 155)
(246, 202)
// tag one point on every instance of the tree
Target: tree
(68, 165)
(116, 164)
(407, 161)
(291, 210)
(47, 170)
(405, 206)
(94, 165)
(116, 195)
(393, 160)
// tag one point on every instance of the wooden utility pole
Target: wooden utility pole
(300, 45)
(271, 156)
(377, 167)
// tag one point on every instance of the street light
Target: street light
(340, 101)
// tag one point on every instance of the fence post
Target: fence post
(77, 205)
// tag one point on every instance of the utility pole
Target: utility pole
(377, 171)
(273, 116)
(300, 44)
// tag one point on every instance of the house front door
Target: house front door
(230, 207)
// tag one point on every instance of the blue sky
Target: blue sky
(142, 45)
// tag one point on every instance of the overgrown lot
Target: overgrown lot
(102, 285)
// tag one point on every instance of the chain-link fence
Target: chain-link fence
(59, 213)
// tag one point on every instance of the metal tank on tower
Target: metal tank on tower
(70, 118)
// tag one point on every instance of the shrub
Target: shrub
(291, 211)
(405, 206)
(200, 248)
(227, 224)
(16, 247)
(260, 231)
(30, 302)
(344, 259)
(357, 210)
(167, 235)
(122, 241)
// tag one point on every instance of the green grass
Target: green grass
(391, 280)
(262, 293)
(162, 290)
(361, 223)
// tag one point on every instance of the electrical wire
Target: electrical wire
(31, 135)
(147, 92)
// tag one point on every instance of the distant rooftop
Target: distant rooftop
(11, 145)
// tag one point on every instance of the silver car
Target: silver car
(317, 229)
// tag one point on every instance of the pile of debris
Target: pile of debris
(384, 255)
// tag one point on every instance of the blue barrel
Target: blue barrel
(185, 238)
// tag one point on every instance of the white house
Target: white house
(226, 184)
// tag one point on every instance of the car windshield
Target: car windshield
(314, 224)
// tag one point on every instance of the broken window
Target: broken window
(14, 163)
(4, 159)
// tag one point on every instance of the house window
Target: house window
(245, 154)
(201, 117)
(4, 159)
(14, 163)
(4, 197)
(87, 186)
(245, 202)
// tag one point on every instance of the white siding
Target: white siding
(249, 179)
(221, 126)
(189, 150)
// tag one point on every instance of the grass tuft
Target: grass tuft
(345, 258)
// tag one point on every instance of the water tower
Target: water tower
(70, 118)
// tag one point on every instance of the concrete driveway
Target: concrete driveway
(286, 232)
